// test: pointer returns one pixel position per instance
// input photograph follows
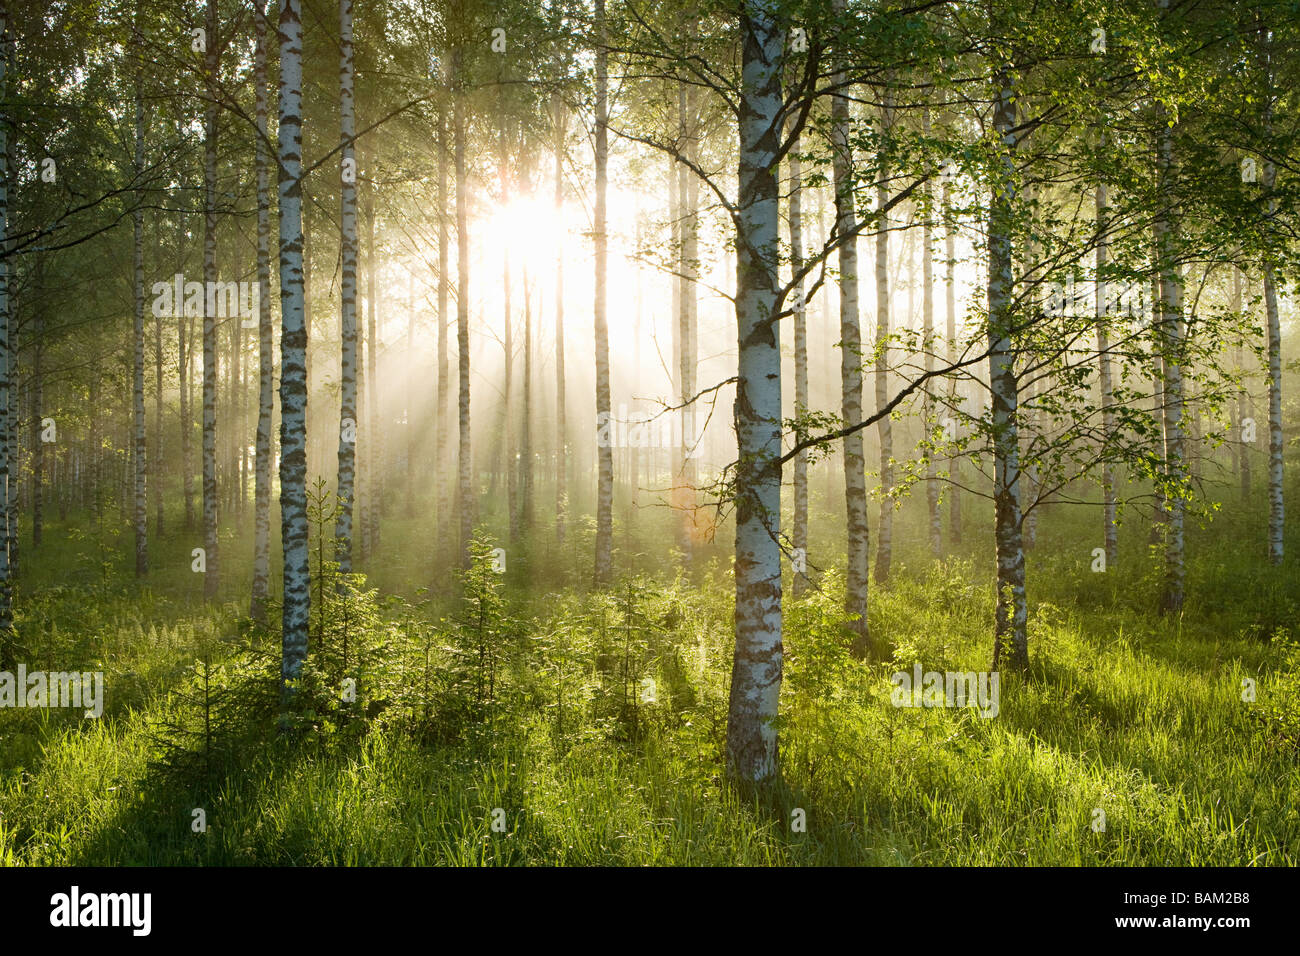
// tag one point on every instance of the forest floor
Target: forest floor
(538, 722)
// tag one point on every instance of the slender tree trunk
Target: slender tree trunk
(1010, 646)
(954, 391)
(185, 347)
(441, 418)
(1243, 396)
(212, 577)
(605, 453)
(1171, 349)
(293, 352)
(157, 479)
(526, 428)
(265, 356)
(507, 446)
(1276, 510)
(38, 403)
(6, 380)
(799, 531)
(141, 512)
(687, 193)
(373, 443)
(1110, 501)
(466, 464)
(885, 533)
(408, 411)
(855, 483)
(561, 436)
(347, 454)
(927, 334)
(752, 744)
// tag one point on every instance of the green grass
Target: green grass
(1124, 711)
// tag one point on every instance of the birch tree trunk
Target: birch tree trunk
(561, 435)
(1243, 397)
(885, 427)
(1010, 645)
(265, 356)
(156, 488)
(373, 442)
(38, 402)
(855, 482)
(293, 351)
(752, 745)
(1276, 510)
(526, 426)
(6, 585)
(348, 424)
(441, 417)
(954, 391)
(184, 356)
(140, 514)
(687, 195)
(212, 576)
(927, 334)
(605, 453)
(799, 531)
(1171, 348)
(507, 446)
(1110, 501)
(465, 461)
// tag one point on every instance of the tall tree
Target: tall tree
(140, 454)
(293, 352)
(212, 576)
(885, 532)
(348, 424)
(1010, 646)
(1170, 335)
(799, 530)
(6, 381)
(752, 747)
(605, 453)
(441, 417)
(1110, 501)
(265, 357)
(465, 463)
(855, 482)
(561, 433)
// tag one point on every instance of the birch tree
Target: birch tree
(855, 482)
(212, 573)
(604, 452)
(265, 357)
(6, 382)
(140, 463)
(293, 352)
(1010, 646)
(752, 746)
(347, 456)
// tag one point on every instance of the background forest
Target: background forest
(556, 431)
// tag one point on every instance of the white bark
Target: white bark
(212, 575)
(752, 745)
(265, 368)
(1010, 640)
(348, 418)
(293, 351)
(605, 454)
(855, 483)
